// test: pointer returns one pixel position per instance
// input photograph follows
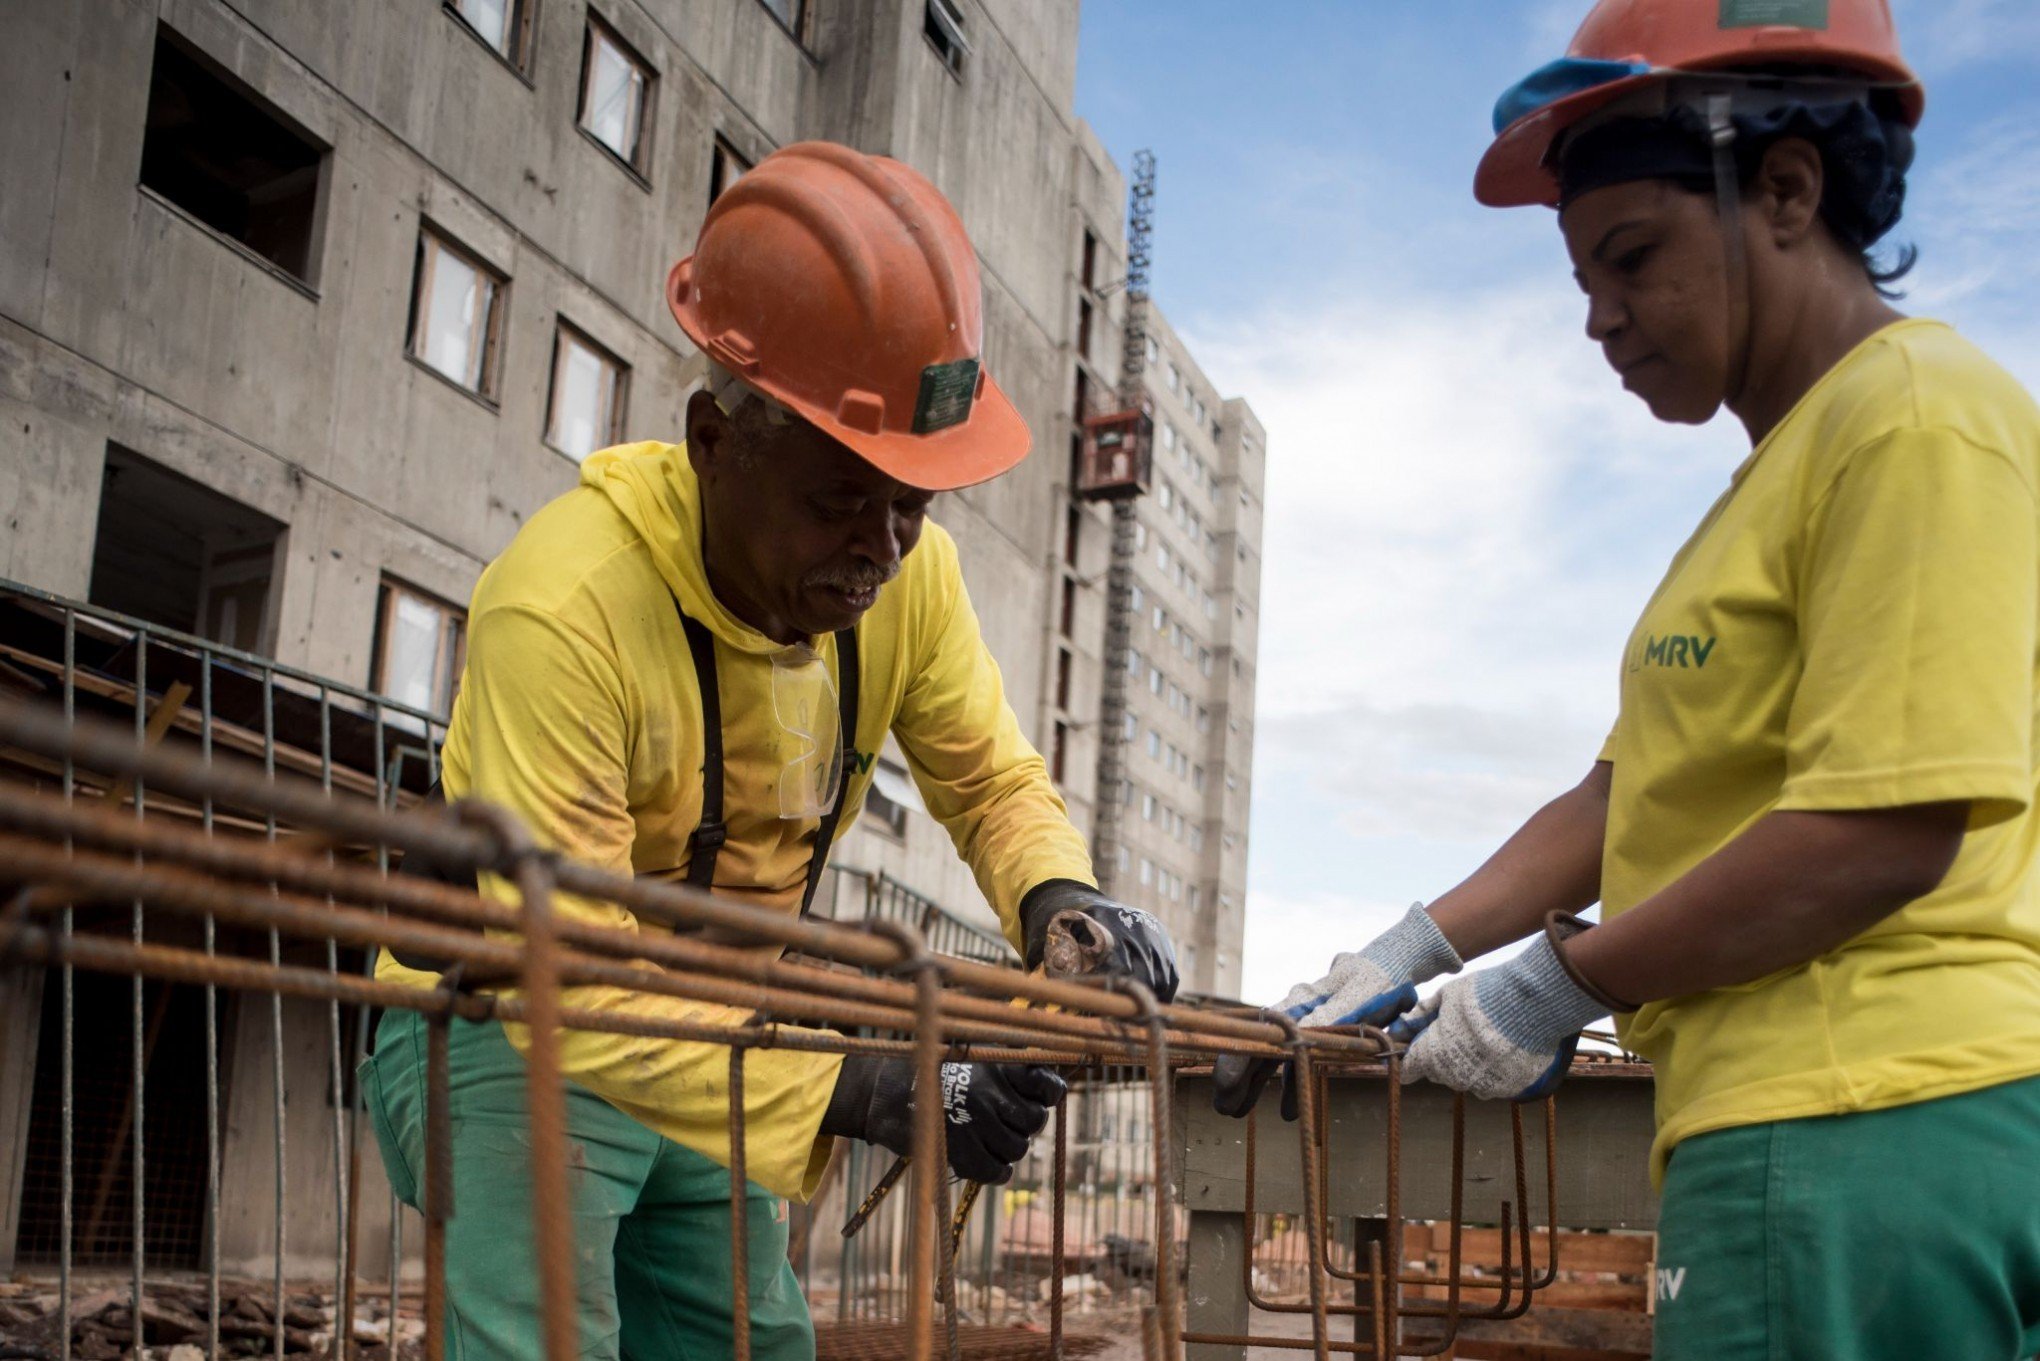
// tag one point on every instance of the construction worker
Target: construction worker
(683, 669)
(1812, 831)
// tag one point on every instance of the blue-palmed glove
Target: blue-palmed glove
(1509, 1031)
(1371, 987)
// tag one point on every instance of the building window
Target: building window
(456, 314)
(1132, 728)
(890, 796)
(1197, 777)
(1059, 750)
(1154, 743)
(1084, 327)
(585, 412)
(1175, 377)
(420, 641)
(1090, 266)
(505, 25)
(1063, 669)
(1147, 871)
(179, 554)
(792, 14)
(1069, 607)
(725, 168)
(616, 96)
(1154, 351)
(943, 26)
(1168, 435)
(231, 160)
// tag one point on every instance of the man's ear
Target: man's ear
(1788, 190)
(708, 430)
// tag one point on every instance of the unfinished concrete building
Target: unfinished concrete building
(303, 309)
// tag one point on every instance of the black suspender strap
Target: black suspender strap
(846, 699)
(706, 844)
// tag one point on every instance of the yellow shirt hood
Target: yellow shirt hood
(653, 487)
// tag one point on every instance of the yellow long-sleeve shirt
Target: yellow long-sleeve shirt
(580, 711)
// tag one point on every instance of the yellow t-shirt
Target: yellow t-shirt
(1852, 626)
(579, 711)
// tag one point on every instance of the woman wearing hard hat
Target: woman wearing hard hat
(1812, 831)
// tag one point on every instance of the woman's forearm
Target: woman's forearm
(1789, 889)
(1553, 862)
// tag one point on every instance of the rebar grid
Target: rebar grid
(328, 886)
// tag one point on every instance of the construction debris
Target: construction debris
(178, 1323)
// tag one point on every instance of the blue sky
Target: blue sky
(1465, 511)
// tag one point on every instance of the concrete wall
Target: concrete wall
(125, 320)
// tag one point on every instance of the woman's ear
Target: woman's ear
(1787, 190)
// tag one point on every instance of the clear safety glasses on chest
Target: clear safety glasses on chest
(807, 733)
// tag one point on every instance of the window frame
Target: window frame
(424, 267)
(798, 30)
(721, 152)
(446, 681)
(638, 162)
(619, 388)
(521, 26)
(948, 16)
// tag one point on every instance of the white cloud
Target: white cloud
(1942, 36)
(1290, 940)
(1465, 514)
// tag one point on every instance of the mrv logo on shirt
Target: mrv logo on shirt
(1674, 649)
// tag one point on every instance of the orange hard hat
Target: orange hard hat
(1627, 44)
(843, 287)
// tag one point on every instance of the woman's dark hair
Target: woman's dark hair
(1865, 152)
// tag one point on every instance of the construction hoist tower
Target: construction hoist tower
(1118, 452)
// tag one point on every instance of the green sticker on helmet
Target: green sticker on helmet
(1774, 13)
(947, 391)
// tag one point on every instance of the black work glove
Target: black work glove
(1135, 944)
(991, 1110)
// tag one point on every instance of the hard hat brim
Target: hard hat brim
(990, 441)
(1516, 172)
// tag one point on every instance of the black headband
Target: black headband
(1864, 156)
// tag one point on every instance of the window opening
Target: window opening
(231, 160)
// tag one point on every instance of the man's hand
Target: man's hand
(1136, 946)
(1509, 1031)
(1372, 987)
(990, 1111)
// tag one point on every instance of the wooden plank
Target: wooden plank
(1548, 1333)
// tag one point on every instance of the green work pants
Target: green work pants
(651, 1219)
(1908, 1234)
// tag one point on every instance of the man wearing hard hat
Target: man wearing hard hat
(683, 668)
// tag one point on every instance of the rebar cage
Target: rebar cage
(214, 867)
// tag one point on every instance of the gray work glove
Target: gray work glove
(1372, 987)
(1509, 1031)
(1136, 945)
(991, 1110)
